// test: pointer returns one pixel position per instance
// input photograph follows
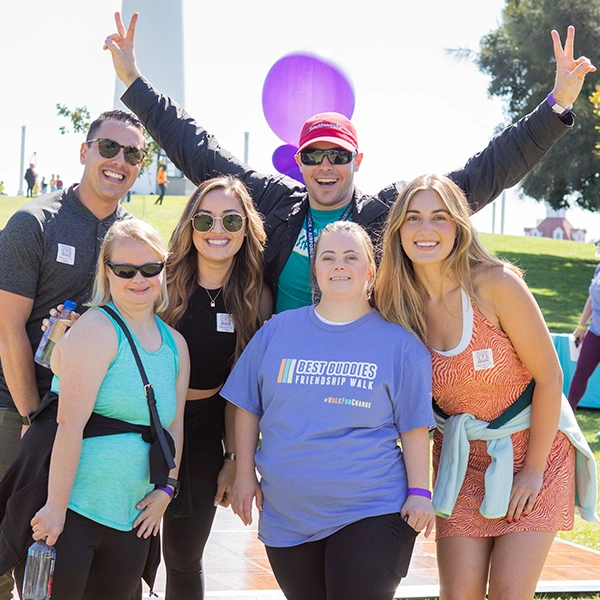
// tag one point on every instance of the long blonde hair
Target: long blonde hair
(243, 283)
(128, 229)
(398, 295)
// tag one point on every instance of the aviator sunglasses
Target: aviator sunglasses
(109, 149)
(204, 222)
(336, 156)
(125, 271)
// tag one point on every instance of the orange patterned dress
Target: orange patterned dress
(459, 387)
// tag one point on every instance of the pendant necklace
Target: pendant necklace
(213, 300)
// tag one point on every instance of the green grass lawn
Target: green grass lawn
(557, 272)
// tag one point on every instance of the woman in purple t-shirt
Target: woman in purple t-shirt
(589, 356)
(331, 387)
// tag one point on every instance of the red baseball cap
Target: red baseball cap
(329, 127)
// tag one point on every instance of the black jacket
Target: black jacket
(284, 202)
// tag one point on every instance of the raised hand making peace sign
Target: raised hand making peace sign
(122, 49)
(570, 72)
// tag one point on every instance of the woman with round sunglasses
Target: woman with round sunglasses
(504, 447)
(102, 512)
(330, 388)
(218, 301)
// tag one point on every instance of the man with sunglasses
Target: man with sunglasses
(48, 253)
(329, 157)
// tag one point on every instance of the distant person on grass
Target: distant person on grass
(162, 181)
(30, 178)
(328, 158)
(589, 356)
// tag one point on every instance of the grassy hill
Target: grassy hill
(557, 272)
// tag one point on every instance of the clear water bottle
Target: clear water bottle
(58, 325)
(39, 570)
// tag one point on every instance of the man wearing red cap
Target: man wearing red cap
(328, 157)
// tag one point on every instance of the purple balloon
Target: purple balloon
(299, 86)
(295, 173)
(283, 158)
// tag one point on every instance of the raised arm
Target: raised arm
(520, 147)
(122, 49)
(570, 72)
(195, 152)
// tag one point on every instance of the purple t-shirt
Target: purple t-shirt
(595, 296)
(331, 401)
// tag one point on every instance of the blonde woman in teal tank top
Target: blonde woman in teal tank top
(102, 511)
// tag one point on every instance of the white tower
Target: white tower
(159, 52)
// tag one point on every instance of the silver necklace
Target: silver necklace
(213, 300)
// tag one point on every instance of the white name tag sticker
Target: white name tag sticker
(224, 323)
(65, 254)
(483, 359)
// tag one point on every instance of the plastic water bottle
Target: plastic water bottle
(58, 325)
(39, 570)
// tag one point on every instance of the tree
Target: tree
(519, 59)
(81, 120)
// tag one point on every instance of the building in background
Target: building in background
(556, 226)
(159, 44)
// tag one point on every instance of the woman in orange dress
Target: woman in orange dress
(488, 340)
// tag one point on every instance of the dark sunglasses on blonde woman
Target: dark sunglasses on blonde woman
(126, 271)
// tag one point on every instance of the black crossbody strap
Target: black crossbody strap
(155, 424)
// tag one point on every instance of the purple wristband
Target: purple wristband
(419, 492)
(166, 489)
(561, 111)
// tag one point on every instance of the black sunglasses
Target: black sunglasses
(126, 271)
(336, 156)
(109, 149)
(204, 222)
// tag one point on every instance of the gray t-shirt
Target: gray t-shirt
(331, 400)
(48, 252)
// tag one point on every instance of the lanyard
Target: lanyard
(310, 231)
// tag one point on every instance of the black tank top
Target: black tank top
(211, 342)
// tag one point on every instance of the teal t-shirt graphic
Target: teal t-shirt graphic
(294, 286)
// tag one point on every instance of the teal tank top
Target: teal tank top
(114, 470)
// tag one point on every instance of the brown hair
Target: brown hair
(244, 281)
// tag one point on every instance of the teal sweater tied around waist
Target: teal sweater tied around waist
(459, 430)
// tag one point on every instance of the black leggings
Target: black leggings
(187, 522)
(95, 562)
(366, 559)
